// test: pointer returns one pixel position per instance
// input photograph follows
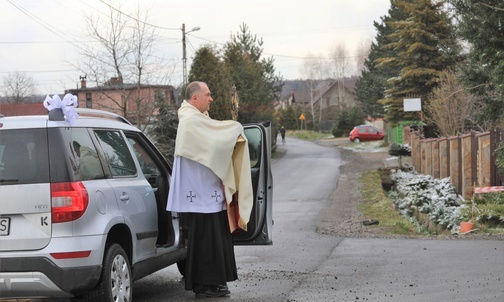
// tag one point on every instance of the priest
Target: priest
(211, 188)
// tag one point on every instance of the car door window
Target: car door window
(116, 153)
(146, 163)
(254, 143)
(84, 159)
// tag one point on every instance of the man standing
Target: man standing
(282, 132)
(211, 166)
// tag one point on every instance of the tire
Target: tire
(356, 140)
(181, 265)
(116, 283)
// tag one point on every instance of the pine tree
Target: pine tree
(370, 87)
(423, 45)
(254, 76)
(208, 67)
(164, 127)
(480, 23)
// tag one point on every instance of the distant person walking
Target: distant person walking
(282, 132)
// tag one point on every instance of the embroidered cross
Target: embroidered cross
(191, 196)
(216, 196)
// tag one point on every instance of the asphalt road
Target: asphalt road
(303, 180)
(303, 265)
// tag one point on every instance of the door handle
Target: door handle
(124, 197)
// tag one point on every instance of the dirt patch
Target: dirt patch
(386, 179)
(342, 218)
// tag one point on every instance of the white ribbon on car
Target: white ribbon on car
(66, 105)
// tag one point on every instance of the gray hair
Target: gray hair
(192, 89)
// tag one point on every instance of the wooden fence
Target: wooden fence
(467, 159)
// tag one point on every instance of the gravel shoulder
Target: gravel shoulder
(343, 218)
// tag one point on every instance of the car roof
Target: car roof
(370, 126)
(87, 118)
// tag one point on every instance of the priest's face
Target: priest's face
(203, 99)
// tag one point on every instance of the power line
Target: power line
(75, 43)
(42, 42)
(44, 24)
(149, 24)
(287, 56)
(39, 71)
(322, 58)
(135, 19)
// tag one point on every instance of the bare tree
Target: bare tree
(341, 66)
(122, 54)
(107, 58)
(314, 69)
(18, 86)
(450, 106)
(143, 40)
(361, 53)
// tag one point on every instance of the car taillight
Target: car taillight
(70, 255)
(69, 201)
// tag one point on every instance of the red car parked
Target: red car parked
(364, 133)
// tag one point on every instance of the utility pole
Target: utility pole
(184, 58)
(184, 53)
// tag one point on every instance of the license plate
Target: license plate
(4, 226)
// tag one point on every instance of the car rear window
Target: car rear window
(23, 156)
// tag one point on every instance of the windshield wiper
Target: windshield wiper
(9, 179)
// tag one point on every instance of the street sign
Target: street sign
(412, 105)
(302, 117)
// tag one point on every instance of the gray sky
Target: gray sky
(38, 36)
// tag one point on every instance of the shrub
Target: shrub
(435, 197)
(489, 209)
(396, 149)
(499, 157)
(346, 119)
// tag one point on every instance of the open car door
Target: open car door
(259, 228)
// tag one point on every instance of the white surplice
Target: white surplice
(194, 188)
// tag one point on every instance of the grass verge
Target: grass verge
(308, 135)
(377, 206)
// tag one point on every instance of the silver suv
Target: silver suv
(82, 207)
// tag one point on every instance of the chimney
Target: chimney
(115, 81)
(83, 81)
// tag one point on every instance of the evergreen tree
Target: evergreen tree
(209, 68)
(346, 120)
(288, 118)
(423, 46)
(480, 23)
(254, 77)
(164, 128)
(370, 87)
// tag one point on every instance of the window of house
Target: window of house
(89, 102)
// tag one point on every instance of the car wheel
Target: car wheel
(181, 265)
(356, 140)
(116, 283)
